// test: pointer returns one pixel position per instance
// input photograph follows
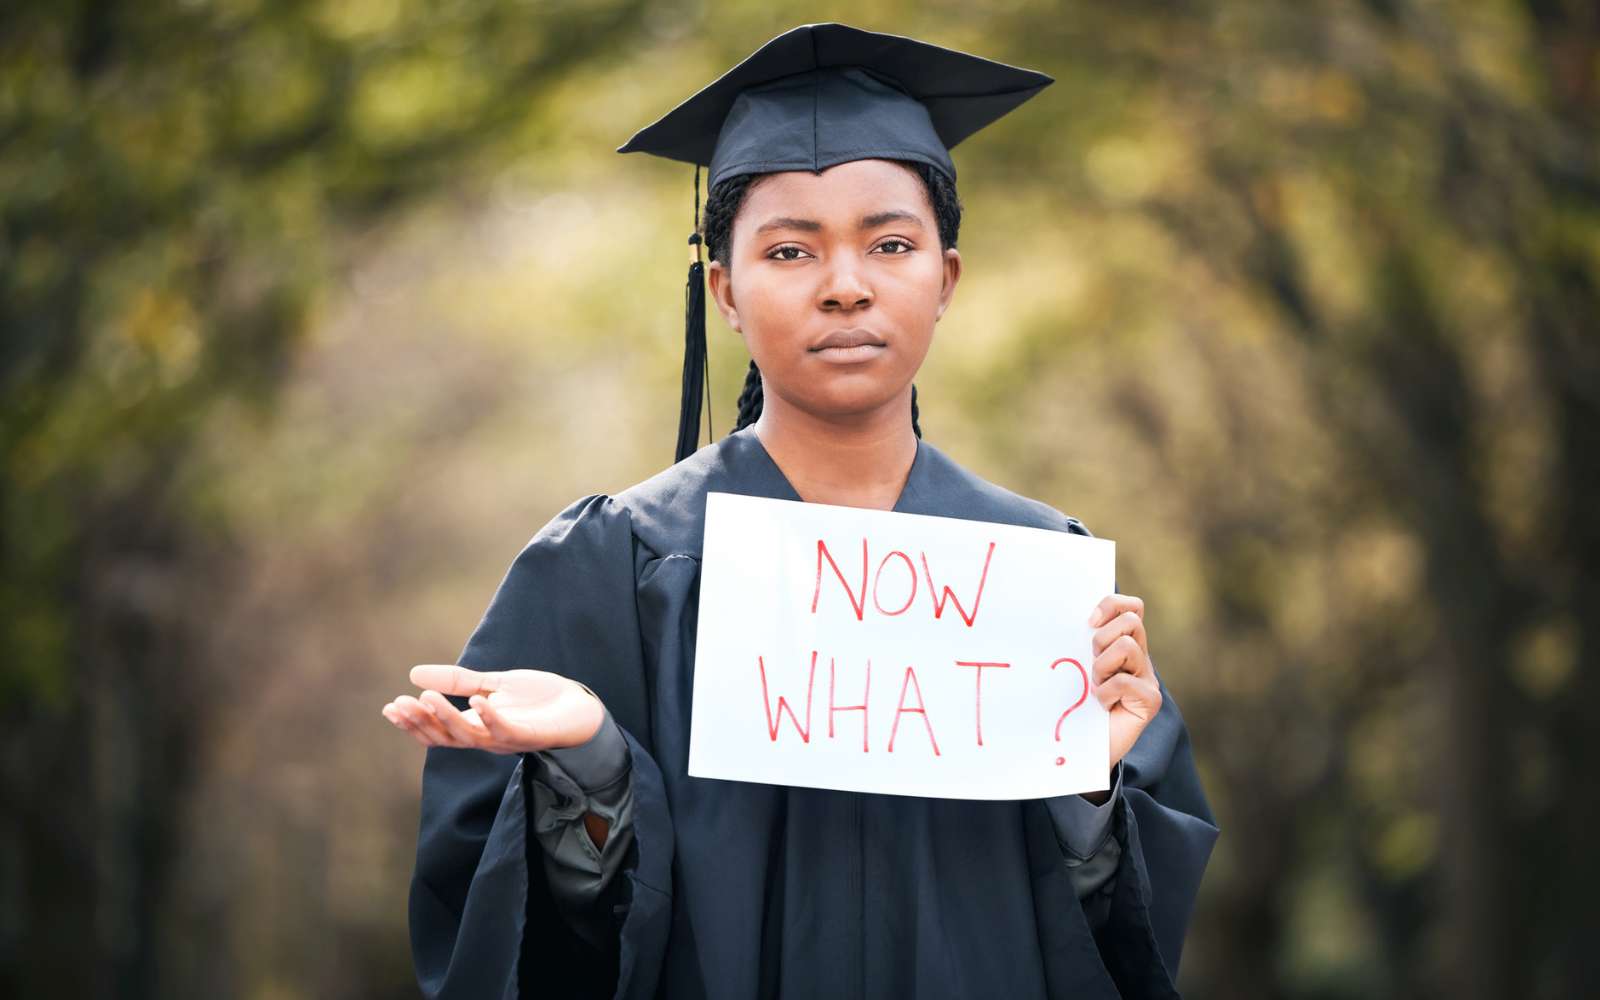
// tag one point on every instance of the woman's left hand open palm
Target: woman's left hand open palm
(512, 711)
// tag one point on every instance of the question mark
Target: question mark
(1070, 708)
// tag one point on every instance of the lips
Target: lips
(849, 338)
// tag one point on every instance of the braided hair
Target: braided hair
(722, 204)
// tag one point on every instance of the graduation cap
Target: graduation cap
(815, 96)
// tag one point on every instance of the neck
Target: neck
(858, 461)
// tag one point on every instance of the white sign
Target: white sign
(873, 651)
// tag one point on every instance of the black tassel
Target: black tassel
(695, 353)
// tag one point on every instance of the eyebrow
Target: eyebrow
(867, 221)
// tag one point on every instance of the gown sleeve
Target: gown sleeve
(1166, 831)
(567, 784)
(1092, 854)
(483, 919)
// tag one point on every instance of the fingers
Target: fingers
(1128, 623)
(1115, 604)
(395, 716)
(462, 731)
(451, 679)
(422, 719)
(410, 715)
(1124, 655)
(498, 728)
(1140, 696)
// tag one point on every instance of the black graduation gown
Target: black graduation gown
(740, 890)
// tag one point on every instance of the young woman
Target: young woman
(565, 851)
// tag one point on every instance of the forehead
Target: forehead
(845, 189)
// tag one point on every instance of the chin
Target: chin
(843, 401)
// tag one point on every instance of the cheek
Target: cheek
(770, 313)
(911, 298)
(773, 301)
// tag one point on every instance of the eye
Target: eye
(905, 247)
(779, 253)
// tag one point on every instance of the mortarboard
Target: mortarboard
(815, 96)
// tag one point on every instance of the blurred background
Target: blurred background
(312, 313)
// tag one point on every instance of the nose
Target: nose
(845, 288)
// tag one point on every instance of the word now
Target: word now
(909, 687)
(938, 596)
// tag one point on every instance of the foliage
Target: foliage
(314, 312)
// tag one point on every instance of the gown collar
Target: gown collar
(770, 481)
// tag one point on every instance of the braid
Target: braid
(749, 398)
(722, 204)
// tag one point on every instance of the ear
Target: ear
(720, 280)
(952, 274)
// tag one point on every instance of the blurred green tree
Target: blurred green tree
(180, 181)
